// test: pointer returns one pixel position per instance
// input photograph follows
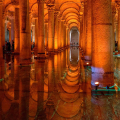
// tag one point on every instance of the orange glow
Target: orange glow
(96, 83)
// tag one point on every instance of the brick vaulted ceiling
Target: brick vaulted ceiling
(69, 10)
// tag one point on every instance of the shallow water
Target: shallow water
(56, 88)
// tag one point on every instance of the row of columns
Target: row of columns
(51, 36)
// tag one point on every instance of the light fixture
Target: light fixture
(96, 85)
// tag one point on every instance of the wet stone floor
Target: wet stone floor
(56, 88)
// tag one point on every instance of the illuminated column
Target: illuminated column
(24, 30)
(3, 29)
(88, 32)
(1, 51)
(41, 34)
(12, 30)
(84, 25)
(9, 34)
(17, 32)
(113, 20)
(81, 32)
(56, 31)
(118, 6)
(102, 54)
(116, 25)
(67, 36)
(36, 36)
(62, 33)
(46, 36)
(59, 33)
(50, 28)
(33, 34)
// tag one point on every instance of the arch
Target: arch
(69, 8)
(69, 2)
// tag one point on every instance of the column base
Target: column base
(51, 53)
(104, 79)
(40, 56)
(15, 53)
(88, 58)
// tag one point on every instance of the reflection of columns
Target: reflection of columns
(81, 33)
(50, 28)
(102, 58)
(59, 33)
(56, 31)
(1, 51)
(25, 32)
(16, 78)
(24, 88)
(50, 75)
(113, 18)
(17, 32)
(88, 31)
(46, 36)
(41, 34)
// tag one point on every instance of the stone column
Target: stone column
(50, 28)
(36, 36)
(41, 32)
(81, 33)
(118, 6)
(33, 34)
(1, 50)
(102, 52)
(24, 28)
(62, 34)
(66, 36)
(3, 29)
(56, 31)
(12, 30)
(84, 26)
(46, 36)
(113, 20)
(59, 33)
(17, 32)
(9, 34)
(88, 32)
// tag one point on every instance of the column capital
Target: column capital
(56, 13)
(117, 4)
(50, 7)
(113, 9)
(1, 2)
(40, 1)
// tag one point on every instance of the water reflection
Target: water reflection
(57, 88)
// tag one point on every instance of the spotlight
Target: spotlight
(96, 85)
